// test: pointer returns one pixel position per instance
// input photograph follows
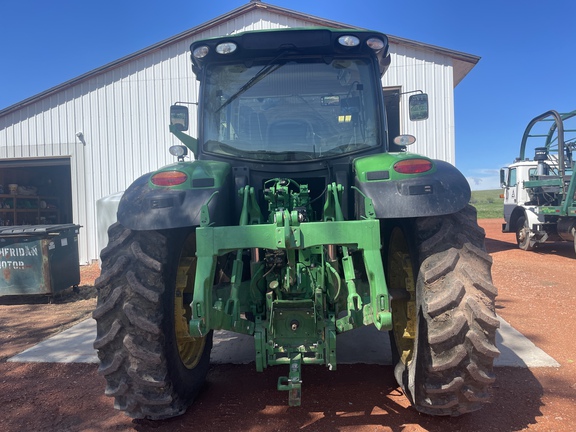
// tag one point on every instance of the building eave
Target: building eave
(463, 63)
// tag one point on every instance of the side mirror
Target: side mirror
(179, 117)
(503, 177)
(418, 106)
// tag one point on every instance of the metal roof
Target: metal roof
(463, 62)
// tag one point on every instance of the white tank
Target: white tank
(106, 209)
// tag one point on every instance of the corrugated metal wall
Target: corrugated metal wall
(123, 114)
(418, 69)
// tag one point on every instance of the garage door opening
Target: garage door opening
(35, 192)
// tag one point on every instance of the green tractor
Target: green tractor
(298, 220)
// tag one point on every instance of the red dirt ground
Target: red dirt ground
(537, 296)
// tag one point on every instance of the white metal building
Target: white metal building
(92, 136)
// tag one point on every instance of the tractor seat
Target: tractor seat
(291, 132)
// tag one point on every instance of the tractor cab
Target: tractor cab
(294, 96)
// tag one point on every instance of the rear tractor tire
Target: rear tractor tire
(152, 366)
(443, 312)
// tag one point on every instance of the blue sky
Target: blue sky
(527, 50)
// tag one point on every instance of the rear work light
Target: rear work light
(375, 43)
(413, 166)
(348, 41)
(201, 52)
(169, 178)
(226, 48)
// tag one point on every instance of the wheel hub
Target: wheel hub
(190, 348)
(401, 279)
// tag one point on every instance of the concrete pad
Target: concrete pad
(364, 345)
(517, 351)
(73, 345)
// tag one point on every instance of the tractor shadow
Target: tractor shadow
(354, 397)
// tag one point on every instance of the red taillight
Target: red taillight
(169, 178)
(413, 166)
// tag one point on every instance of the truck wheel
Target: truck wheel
(523, 234)
(152, 366)
(444, 323)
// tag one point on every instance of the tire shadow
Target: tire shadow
(493, 245)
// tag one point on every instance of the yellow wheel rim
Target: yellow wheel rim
(189, 348)
(401, 278)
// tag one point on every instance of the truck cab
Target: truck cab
(516, 196)
(539, 193)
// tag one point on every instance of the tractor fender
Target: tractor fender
(443, 191)
(145, 207)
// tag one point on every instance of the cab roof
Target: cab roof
(268, 44)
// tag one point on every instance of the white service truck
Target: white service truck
(539, 193)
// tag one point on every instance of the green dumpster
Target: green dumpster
(38, 259)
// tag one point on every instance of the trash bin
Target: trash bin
(38, 259)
